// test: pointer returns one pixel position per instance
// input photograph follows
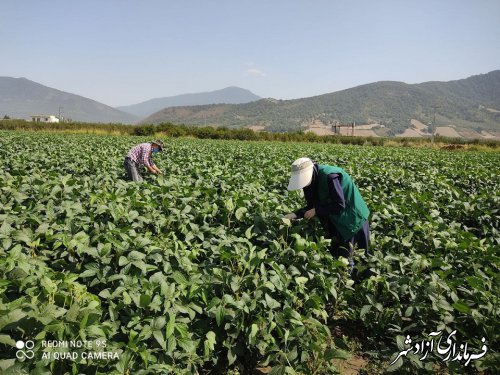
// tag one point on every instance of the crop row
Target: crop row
(196, 272)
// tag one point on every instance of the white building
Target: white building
(44, 118)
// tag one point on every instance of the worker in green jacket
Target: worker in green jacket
(334, 198)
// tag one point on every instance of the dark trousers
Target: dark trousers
(132, 170)
(341, 247)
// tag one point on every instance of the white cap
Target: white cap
(302, 173)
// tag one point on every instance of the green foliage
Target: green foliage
(195, 271)
(209, 132)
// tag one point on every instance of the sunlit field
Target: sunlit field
(196, 271)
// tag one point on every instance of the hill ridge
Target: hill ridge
(389, 103)
(22, 97)
(227, 95)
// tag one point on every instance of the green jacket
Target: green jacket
(349, 221)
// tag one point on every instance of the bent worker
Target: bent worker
(333, 197)
(142, 155)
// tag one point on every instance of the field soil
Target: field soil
(419, 125)
(319, 128)
(447, 131)
(410, 133)
(257, 128)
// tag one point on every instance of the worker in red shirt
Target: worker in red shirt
(142, 155)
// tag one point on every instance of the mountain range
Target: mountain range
(22, 98)
(467, 107)
(228, 95)
(471, 104)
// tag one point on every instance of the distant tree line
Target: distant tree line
(209, 132)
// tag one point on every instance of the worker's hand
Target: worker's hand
(310, 214)
(159, 172)
(291, 216)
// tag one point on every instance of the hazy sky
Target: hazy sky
(124, 52)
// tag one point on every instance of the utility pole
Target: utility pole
(60, 112)
(435, 106)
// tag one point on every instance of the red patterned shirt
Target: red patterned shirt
(141, 154)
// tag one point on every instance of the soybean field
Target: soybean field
(196, 272)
